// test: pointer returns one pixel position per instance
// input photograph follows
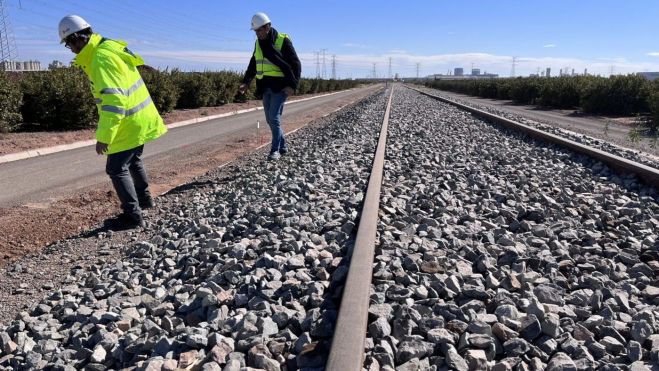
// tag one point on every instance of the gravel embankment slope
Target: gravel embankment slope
(238, 273)
(645, 151)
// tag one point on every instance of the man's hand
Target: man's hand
(243, 88)
(288, 91)
(101, 148)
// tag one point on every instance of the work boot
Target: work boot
(147, 203)
(124, 222)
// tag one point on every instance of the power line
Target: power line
(390, 67)
(7, 44)
(324, 66)
(149, 25)
(512, 70)
(333, 66)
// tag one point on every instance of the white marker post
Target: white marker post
(258, 131)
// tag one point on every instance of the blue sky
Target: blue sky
(603, 36)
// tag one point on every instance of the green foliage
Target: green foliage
(225, 85)
(57, 100)
(61, 99)
(652, 97)
(10, 103)
(560, 92)
(162, 88)
(196, 89)
(618, 95)
(524, 90)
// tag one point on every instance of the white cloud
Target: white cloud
(653, 54)
(549, 46)
(397, 51)
(201, 56)
(355, 45)
(361, 64)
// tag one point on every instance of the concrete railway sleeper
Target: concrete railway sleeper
(477, 248)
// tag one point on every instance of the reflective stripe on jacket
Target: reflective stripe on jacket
(127, 116)
(263, 66)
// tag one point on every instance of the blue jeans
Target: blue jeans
(273, 106)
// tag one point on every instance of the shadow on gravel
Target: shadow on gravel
(193, 185)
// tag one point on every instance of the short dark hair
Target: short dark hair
(82, 34)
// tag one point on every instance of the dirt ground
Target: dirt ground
(29, 228)
(617, 130)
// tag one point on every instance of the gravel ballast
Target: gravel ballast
(236, 274)
(493, 252)
(496, 252)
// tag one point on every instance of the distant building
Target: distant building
(475, 71)
(649, 75)
(56, 64)
(458, 71)
(463, 77)
(17, 66)
(548, 73)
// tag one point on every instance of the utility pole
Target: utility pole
(7, 45)
(512, 70)
(417, 69)
(333, 67)
(324, 66)
(389, 68)
(317, 65)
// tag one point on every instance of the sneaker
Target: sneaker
(274, 156)
(124, 222)
(283, 152)
(147, 203)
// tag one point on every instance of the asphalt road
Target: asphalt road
(38, 179)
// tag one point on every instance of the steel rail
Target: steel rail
(347, 350)
(645, 173)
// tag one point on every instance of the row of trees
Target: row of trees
(616, 95)
(60, 99)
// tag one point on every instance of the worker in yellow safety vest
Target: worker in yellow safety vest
(128, 117)
(276, 67)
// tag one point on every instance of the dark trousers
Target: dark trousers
(126, 170)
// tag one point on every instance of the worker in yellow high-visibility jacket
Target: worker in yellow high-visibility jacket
(128, 117)
(276, 67)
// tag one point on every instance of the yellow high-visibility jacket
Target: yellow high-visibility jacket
(265, 67)
(127, 116)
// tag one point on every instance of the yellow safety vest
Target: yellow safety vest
(263, 66)
(128, 118)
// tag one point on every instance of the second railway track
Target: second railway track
(498, 251)
(490, 251)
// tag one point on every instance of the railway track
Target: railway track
(471, 247)
(422, 341)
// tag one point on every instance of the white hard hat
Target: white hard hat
(70, 25)
(258, 20)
